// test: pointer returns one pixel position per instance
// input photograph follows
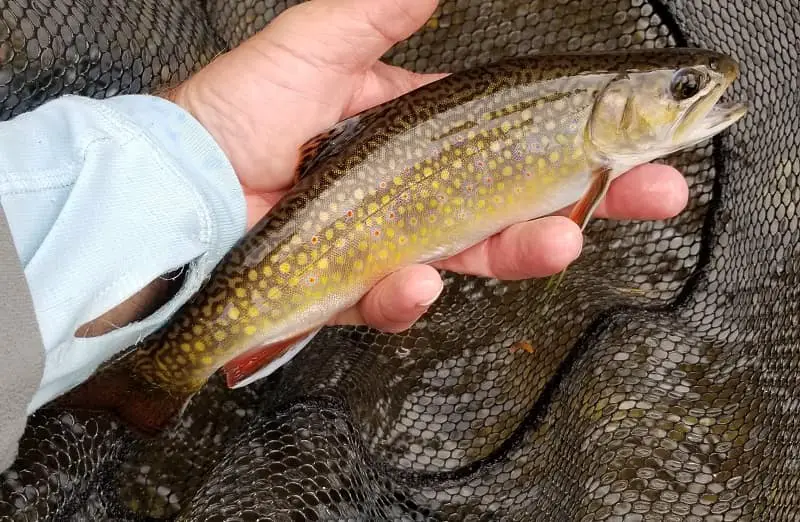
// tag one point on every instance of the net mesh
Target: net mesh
(663, 380)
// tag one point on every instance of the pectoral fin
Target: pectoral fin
(259, 363)
(585, 208)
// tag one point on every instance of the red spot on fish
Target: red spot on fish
(312, 279)
(314, 240)
(349, 214)
(382, 184)
(488, 180)
(376, 232)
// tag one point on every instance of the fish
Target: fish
(414, 180)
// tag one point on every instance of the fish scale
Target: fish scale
(414, 180)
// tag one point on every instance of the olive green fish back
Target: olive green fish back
(659, 384)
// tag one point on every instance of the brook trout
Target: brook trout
(414, 180)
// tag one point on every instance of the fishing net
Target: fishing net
(662, 384)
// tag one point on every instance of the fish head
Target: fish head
(659, 106)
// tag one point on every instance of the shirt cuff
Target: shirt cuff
(153, 192)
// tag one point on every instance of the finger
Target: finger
(651, 191)
(396, 302)
(384, 82)
(348, 35)
(538, 248)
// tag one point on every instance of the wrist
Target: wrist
(209, 111)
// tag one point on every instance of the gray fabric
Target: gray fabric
(21, 354)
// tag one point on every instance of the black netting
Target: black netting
(663, 384)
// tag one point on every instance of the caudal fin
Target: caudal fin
(147, 409)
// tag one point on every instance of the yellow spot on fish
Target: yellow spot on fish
(359, 194)
(250, 330)
(267, 271)
(253, 311)
(186, 347)
(323, 264)
(302, 259)
(241, 293)
(358, 265)
(219, 335)
(234, 313)
(397, 180)
(252, 275)
(206, 360)
(554, 157)
(274, 293)
(284, 268)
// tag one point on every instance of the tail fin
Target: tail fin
(146, 408)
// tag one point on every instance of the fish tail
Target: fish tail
(148, 409)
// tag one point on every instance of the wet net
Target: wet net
(663, 383)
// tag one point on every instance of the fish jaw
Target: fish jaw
(720, 117)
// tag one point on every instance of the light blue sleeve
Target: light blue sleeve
(103, 197)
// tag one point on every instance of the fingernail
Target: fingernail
(428, 285)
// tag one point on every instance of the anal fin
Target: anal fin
(584, 209)
(261, 362)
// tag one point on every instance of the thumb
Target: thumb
(348, 35)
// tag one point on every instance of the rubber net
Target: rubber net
(662, 384)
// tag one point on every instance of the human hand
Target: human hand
(318, 63)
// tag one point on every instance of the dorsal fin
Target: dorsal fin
(327, 144)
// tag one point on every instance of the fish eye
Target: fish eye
(686, 83)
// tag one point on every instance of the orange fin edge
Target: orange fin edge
(260, 362)
(584, 209)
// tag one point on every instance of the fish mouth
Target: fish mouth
(720, 117)
(697, 127)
